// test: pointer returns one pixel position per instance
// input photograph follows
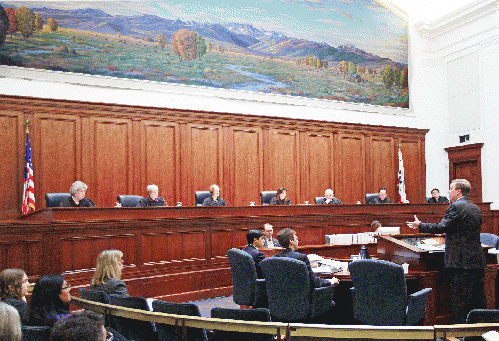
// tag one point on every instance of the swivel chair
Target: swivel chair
(259, 314)
(171, 332)
(129, 200)
(266, 196)
(380, 294)
(55, 199)
(370, 196)
(200, 196)
(318, 200)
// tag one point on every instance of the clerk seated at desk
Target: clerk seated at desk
(214, 199)
(255, 241)
(288, 239)
(77, 198)
(152, 200)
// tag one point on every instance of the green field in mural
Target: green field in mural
(135, 44)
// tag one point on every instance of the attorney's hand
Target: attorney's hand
(413, 224)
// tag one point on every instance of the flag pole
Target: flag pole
(27, 123)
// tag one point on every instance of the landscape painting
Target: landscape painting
(337, 50)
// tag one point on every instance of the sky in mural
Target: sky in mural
(362, 23)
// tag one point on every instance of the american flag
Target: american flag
(29, 184)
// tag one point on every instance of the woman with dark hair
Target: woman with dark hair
(280, 198)
(14, 285)
(49, 301)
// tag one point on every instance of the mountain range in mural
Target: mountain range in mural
(236, 56)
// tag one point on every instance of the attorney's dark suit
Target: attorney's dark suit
(333, 201)
(315, 281)
(258, 256)
(440, 200)
(464, 259)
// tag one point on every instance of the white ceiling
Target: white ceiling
(429, 10)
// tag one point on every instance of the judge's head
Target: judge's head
(215, 191)
(78, 190)
(281, 193)
(329, 194)
(382, 193)
(153, 191)
(435, 193)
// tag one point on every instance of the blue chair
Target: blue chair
(94, 295)
(481, 316)
(370, 196)
(258, 314)
(266, 196)
(35, 333)
(247, 289)
(291, 296)
(489, 239)
(132, 329)
(318, 200)
(168, 332)
(200, 196)
(129, 200)
(380, 295)
(55, 199)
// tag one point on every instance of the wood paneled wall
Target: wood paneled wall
(118, 149)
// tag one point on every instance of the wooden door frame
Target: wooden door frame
(466, 153)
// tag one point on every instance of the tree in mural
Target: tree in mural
(52, 23)
(343, 66)
(201, 46)
(11, 14)
(404, 78)
(396, 76)
(387, 76)
(352, 68)
(184, 44)
(161, 40)
(4, 24)
(25, 21)
(38, 22)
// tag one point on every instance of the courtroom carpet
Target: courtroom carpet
(219, 302)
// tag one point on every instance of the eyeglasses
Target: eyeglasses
(68, 286)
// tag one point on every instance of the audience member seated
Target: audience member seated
(268, 240)
(255, 241)
(152, 200)
(14, 285)
(107, 275)
(10, 323)
(329, 198)
(280, 198)
(77, 198)
(49, 301)
(288, 239)
(215, 199)
(382, 198)
(85, 326)
(384, 230)
(436, 198)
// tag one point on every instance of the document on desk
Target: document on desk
(431, 248)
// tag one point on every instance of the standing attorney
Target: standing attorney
(464, 259)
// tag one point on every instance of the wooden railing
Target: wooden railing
(288, 330)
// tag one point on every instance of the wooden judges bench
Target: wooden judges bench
(179, 253)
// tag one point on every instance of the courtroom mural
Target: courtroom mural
(351, 51)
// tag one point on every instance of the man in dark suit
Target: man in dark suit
(269, 240)
(255, 241)
(464, 259)
(382, 198)
(436, 198)
(288, 239)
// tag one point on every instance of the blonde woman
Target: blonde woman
(107, 276)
